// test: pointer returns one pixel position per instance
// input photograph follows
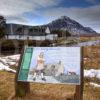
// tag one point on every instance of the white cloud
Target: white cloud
(89, 16)
(15, 9)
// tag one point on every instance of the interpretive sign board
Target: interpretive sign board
(60, 65)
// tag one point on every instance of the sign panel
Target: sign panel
(60, 65)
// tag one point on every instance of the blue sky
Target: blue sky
(38, 12)
(79, 3)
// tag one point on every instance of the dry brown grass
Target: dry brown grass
(92, 53)
(6, 84)
(91, 93)
(84, 39)
(44, 92)
(38, 91)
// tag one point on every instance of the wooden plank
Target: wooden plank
(79, 88)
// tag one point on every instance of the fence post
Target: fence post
(79, 88)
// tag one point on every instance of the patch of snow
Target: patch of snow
(85, 58)
(10, 60)
(89, 43)
(94, 84)
(92, 73)
(14, 57)
(4, 67)
(7, 61)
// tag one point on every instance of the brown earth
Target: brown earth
(44, 92)
(38, 91)
(92, 57)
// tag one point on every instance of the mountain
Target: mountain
(67, 24)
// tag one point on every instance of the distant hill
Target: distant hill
(67, 24)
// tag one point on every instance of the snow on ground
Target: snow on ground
(4, 67)
(89, 43)
(94, 84)
(92, 73)
(7, 61)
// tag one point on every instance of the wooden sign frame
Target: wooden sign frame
(79, 88)
(23, 88)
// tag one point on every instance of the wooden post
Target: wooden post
(79, 88)
(21, 88)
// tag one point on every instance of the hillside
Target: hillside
(67, 24)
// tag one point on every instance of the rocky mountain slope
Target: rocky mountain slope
(72, 26)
